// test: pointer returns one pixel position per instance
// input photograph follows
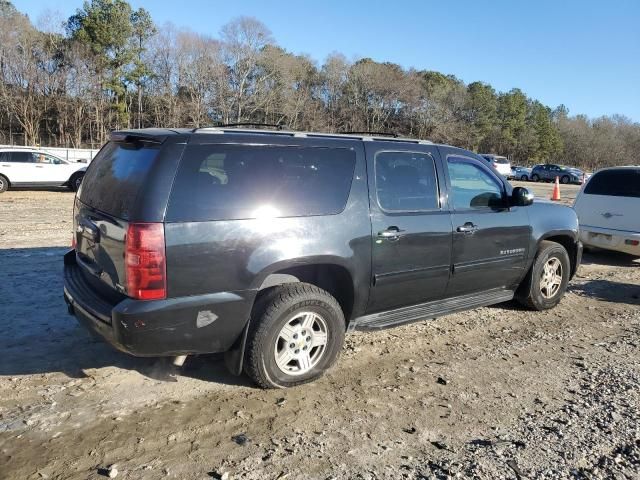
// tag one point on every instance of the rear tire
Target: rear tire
(524, 178)
(75, 181)
(4, 184)
(296, 333)
(546, 283)
(535, 178)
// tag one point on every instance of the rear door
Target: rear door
(490, 240)
(411, 229)
(611, 199)
(21, 167)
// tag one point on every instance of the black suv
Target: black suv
(271, 245)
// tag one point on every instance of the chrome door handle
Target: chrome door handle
(39, 166)
(467, 228)
(391, 233)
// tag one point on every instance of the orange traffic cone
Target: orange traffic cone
(556, 191)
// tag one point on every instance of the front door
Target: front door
(410, 225)
(50, 170)
(490, 239)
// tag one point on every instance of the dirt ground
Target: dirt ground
(497, 392)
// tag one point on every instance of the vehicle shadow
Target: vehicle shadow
(37, 335)
(610, 258)
(608, 291)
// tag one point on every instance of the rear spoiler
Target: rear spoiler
(136, 137)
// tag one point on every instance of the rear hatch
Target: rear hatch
(611, 199)
(108, 201)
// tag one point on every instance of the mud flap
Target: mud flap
(234, 357)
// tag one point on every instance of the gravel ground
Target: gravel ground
(497, 392)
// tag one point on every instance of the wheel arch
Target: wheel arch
(332, 277)
(336, 279)
(3, 174)
(570, 244)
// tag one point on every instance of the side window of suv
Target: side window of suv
(22, 157)
(406, 181)
(231, 182)
(471, 186)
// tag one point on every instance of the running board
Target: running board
(429, 310)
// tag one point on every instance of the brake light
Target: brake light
(145, 261)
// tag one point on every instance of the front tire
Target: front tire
(546, 283)
(296, 334)
(564, 179)
(535, 178)
(4, 184)
(524, 178)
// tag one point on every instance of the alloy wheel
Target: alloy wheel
(551, 278)
(301, 343)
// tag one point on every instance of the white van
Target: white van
(608, 209)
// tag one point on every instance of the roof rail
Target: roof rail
(368, 136)
(277, 126)
(383, 134)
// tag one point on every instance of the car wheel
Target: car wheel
(75, 181)
(295, 335)
(546, 283)
(524, 178)
(535, 178)
(564, 179)
(4, 184)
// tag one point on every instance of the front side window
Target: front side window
(472, 187)
(231, 182)
(406, 181)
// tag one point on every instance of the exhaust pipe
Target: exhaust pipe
(179, 360)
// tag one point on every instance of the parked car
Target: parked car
(23, 167)
(501, 164)
(271, 245)
(607, 209)
(521, 173)
(548, 173)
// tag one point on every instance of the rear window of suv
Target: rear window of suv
(615, 183)
(115, 175)
(229, 182)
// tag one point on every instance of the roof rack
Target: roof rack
(383, 134)
(292, 133)
(277, 126)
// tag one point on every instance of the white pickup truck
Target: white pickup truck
(24, 167)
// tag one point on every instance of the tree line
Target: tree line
(109, 67)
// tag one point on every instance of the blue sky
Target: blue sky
(585, 54)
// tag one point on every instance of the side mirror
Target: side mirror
(521, 197)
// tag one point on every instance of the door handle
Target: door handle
(39, 166)
(5, 165)
(468, 228)
(391, 233)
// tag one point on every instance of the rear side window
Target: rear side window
(22, 157)
(115, 176)
(228, 182)
(406, 181)
(615, 183)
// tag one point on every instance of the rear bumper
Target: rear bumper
(608, 239)
(177, 326)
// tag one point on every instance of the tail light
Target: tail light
(145, 261)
